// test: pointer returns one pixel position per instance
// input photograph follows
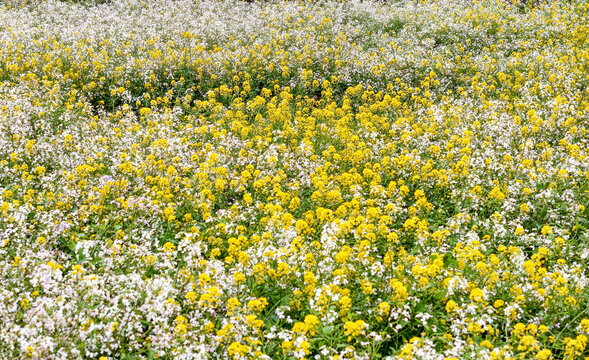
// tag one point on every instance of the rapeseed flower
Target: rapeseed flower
(217, 179)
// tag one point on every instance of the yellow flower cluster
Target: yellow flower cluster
(294, 180)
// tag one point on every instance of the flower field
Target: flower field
(285, 180)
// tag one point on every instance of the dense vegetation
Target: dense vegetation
(345, 180)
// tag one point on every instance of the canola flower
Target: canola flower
(339, 180)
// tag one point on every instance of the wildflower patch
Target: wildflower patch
(278, 180)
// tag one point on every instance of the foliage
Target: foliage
(210, 179)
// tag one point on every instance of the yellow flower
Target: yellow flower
(543, 354)
(253, 321)
(451, 306)
(257, 304)
(487, 344)
(232, 304)
(169, 247)
(367, 287)
(354, 328)
(399, 290)
(345, 303)
(168, 214)
(585, 325)
(311, 321)
(384, 308)
(237, 350)
(497, 194)
(477, 295)
(181, 326)
(191, 296)
(239, 277)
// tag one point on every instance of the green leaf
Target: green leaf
(449, 260)
(420, 307)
